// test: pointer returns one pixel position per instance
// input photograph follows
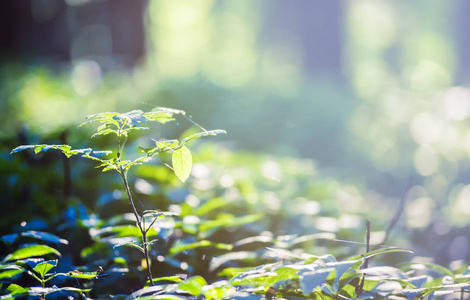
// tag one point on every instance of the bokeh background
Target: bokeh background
(367, 100)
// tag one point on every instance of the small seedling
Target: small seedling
(122, 125)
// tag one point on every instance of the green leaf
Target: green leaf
(106, 117)
(85, 151)
(179, 247)
(105, 132)
(193, 285)
(9, 238)
(159, 214)
(14, 289)
(162, 114)
(218, 261)
(32, 251)
(437, 268)
(166, 145)
(167, 110)
(66, 149)
(227, 221)
(310, 280)
(130, 244)
(44, 267)
(204, 133)
(29, 263)
(10, 271)
(137, 129)
(103, 115)
(167, 278)
(379, 251)
(82, 275)
(182, 162)
(22, 148)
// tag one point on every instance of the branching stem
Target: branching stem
(143, 231)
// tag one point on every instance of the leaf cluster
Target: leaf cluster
(121, 124)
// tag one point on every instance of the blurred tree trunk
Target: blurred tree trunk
(50, 29)
(317, 26)
(462, 41)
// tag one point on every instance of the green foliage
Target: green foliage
(29, 259)
(245, 227)
(31, 251)
(311, 278)
(182, 163)
(121, 125)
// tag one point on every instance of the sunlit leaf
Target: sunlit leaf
(29, 263)
(44, 267)
(217, 261)
(166, 145)
(22, 148)
(85, 151)
(227, 221)
(130, 244)
(182, 162)
(105, 132)
(201, 134)
(170, 111)
(167, 278)
(380, 251)
(159, 214)
(180, 247)
(10, 271)
(82, 275)
(32, 251)
(14, 289)
(310, 280)
(193, 285)
(435, 267)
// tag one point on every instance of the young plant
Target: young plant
(28, 259)
(122, 125)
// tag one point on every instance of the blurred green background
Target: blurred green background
(369, 96)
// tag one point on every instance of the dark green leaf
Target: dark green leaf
(9, 238)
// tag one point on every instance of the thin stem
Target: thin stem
(359, 289)
(118, 154)
(139, 223)
(151, 224)
(43, 285)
